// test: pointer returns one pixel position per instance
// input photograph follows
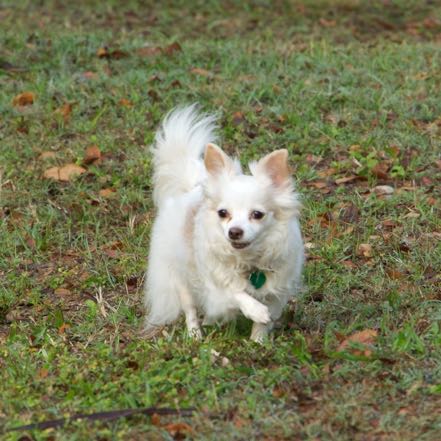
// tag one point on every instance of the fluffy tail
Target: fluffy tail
(177, 149)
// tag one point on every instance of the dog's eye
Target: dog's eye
(256, 214)
(222, 213)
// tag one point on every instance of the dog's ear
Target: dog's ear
(276, 167)
(216, 161)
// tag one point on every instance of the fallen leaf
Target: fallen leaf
(46, 155)
(155, 420)
(92, 154)
(349, 264)
(238, 118)
(125, 102)
(65, 173)
(62, 328)
(104, 52)
(24, 99)
(201, 72)
(172, 48)
(65, 110)
(380, 170)
(366, 337)
(327, 23)
(89, 75)
(149, 51)
(107, 193)
(62, 292)
(42, 373)
(364, 250)
(395, 274)
(347, 179)
(178, 430)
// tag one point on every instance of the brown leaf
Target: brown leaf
(65, 173)
(46, 155)
(364, 250)
(107, 193)
(238, 118)
(395, 274)
(65, 110)
(89, 75)
(62, 328)
(42, 373)
(172, 48)
(125, 102)
(178, 430)
(347, 179)
(366, 337)
(380, 170)
(350, 214)
(327, 23)
(201, 72)
(149, 51)
(155, 420)
(62, 292)
(92, 154)
(104, 52)
(24, 99)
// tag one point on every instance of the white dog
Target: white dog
(222, 241)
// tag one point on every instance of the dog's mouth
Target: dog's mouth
(239, 245)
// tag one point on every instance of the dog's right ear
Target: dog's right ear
(216, 161)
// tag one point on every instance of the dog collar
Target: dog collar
(257, 279)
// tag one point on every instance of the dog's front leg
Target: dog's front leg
(259, 332)
(191, 317)
(252, 308)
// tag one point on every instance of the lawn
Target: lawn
(351, 88)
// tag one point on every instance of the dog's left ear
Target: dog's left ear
(275, 165)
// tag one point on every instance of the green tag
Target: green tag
(257, 279)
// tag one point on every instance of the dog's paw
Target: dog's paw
(195, 333)
(257, 312)
(259, 332)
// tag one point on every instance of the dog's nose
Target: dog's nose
(235, 233)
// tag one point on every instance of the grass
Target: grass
(350, 88)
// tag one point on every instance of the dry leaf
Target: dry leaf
(149, 51)
(24, 99)
(380, 170)
(42, 373)
(89, 75)
(346, 179)
(46, 155)
(65, 173)
(103, 52)
(365, 337)
(172, 48)
(364, 250)
(107, 193)
(62, 328)
(65, 110)
(125, 102)
(92, 154)
(155, 420)
(201, 72)
(62, 292)
(178, 430)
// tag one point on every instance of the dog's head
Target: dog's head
(246, 206)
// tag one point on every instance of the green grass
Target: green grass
(348, 87)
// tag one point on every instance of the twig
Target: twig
(104, 416)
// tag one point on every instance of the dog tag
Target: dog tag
(257, 279)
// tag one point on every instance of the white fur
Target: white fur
(192, 263)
